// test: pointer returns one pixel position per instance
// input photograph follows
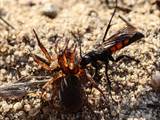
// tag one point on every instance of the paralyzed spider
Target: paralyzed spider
(69, 83)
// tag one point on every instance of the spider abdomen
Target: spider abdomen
(71, 94)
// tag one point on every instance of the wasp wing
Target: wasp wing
(120, 36)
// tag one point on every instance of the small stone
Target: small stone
(17, 106)
(6, 107)
(155, 81)
(6, 118)
(3, 49)
(8, 59)
(50, 10)
(3, 71)
(24, 73)
(27, 107)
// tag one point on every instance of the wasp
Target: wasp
(103, 52)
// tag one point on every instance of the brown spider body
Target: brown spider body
(71, 92)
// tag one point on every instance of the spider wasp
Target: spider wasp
(103, 52)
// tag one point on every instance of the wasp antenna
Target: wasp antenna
(7, 23)
(109, 24)
(124, 20)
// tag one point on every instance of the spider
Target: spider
(69, 83)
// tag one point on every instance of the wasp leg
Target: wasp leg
(94, 84)
(125, 56)
(110, 88)
(45, 52)
(97, 77)
(108, 81)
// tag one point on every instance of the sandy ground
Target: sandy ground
(130, 81)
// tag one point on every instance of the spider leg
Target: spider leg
(45, 52)
(54, 78)
(78, 40)
(108, 81)
(73, 64)
(42, 62)
(45, 86)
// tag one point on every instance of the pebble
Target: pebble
(155, 81)
(50, 10)
(8, 59)
(3, 71)
(27, 107)
(4, 49)
(17, 106)
(6, 118)
(6, 107)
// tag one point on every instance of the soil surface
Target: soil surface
(131, 81)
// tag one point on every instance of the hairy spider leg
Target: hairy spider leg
(54, 78)
(39, 60)
(45, 52)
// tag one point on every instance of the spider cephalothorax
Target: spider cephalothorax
(68, 59)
